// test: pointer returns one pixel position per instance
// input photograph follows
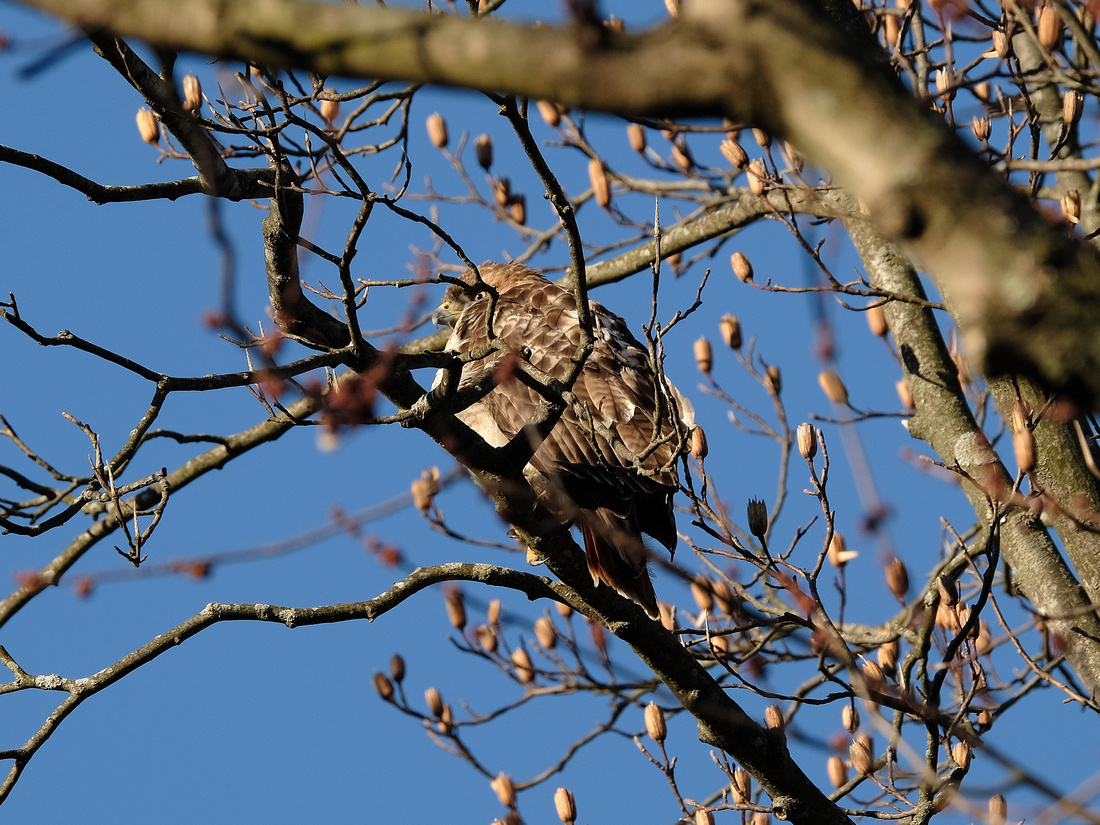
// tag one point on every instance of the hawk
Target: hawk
(612, 495)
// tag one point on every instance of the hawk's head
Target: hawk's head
(472, 288)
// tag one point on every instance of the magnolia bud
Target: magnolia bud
(873, 677)
(758, 177)
(703, 816)
(601, 187)
(876, 320)
(668, 616)
(1000, 43)
(807, 441)
(564, 610)
(673, 7)
(962, 754)
(566, 806)
(949, 591)
(897, 579)
(998, 810)
(839, 554)
(849, 717)
(838, 771)
(504, 789)
(681, 156)
(833, 387)
(148, 127)
(1072, 103)
(384, 686)
(887, 655)
(982, 128)
(397, 668)
(424, 489)
(741, 267)
(492, 615)
(701, 592)
(192, 93)
(762, 138)
(434, 701)
(1049, 28)
(905, 395)
(546, 633)
(330, 110)
(730, 328)
(487, 638)
(891, 29)
(502, 191)
(1071, 206)
(437, 130)
(773, 717)
(550, 113)
(773, 380)
(741, 786)
(456, 609)
(517, 208)
(525, 672)
(699, 447)
(862, 759)
(483, 150)
(655, 723)
(704, 355)
(635, 133)
(733, 152)
(1023, 441)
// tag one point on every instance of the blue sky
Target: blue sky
(250, 722)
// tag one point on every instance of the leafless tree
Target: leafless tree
(946, 139)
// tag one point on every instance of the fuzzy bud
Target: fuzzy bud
(699, 447)
(383, 685)
(502, 191)
(546, 633)
(873, 677)
(833, 387)
(456, 609)
(758, 177)
(487, 638)
(635, 133)
(192, 93)
(773, 717)
(704, 355)
(424, 489)
(731, 150)
(807, 441)
(839, 554)
(773, 380)
(838, 771)
(681, 156)
(741, 786)
(982, 128)
(1049, 28)
(891, 29)
(550, 113)
(849, 717)
(701, 592)
(517, 208)
(703, 816)
(741, 267)
(1000, 43)
(504, 789)
(949, 591)
(1071, 206)
(434, 701)
(863, 761)
(565, 805)
(876, 320)
(601, 186)
(905, 395)
(1072, 103)
(437, 130)
(730, 328)
(762, 138)
(148, 127)
(887, 655)
(483, 150)
(655, 723)
(998, 810)
(897, 579)
(525, 671)
(492, 615)
(397, 668)
(962, 755)
(564, 610)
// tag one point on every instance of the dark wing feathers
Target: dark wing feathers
(613, 504)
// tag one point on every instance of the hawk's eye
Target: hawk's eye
(481, 295)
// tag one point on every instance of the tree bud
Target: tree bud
(876, 320)
(546, 633)
(192, 93)
(833, 387)
(699, 447)
(437, 130)
(550, 113)
(434, 701)
(741, 267)
(849, 717)
(773, 380)
(758, 517)
(838, 771)
(397, 668)
(773, 717)
(758, 177)
(897, 579)
(730, 328)
(807, 440)
(483, 150)
(525, 672)
(384, 686)
(704, 355)
(504, 789)
(148, 127)
(601, 186)
(862, 759)
(566, 806)
(998, 810)
(456, 609)
(731, 150)
(839, 554)
(655, 723)
(635, 133)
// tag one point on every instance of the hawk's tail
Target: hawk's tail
(618, 558)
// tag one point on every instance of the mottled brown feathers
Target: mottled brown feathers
(611, 502)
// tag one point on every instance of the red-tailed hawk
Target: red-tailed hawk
(612, 501)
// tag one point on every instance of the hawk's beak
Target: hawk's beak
(443, 315)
